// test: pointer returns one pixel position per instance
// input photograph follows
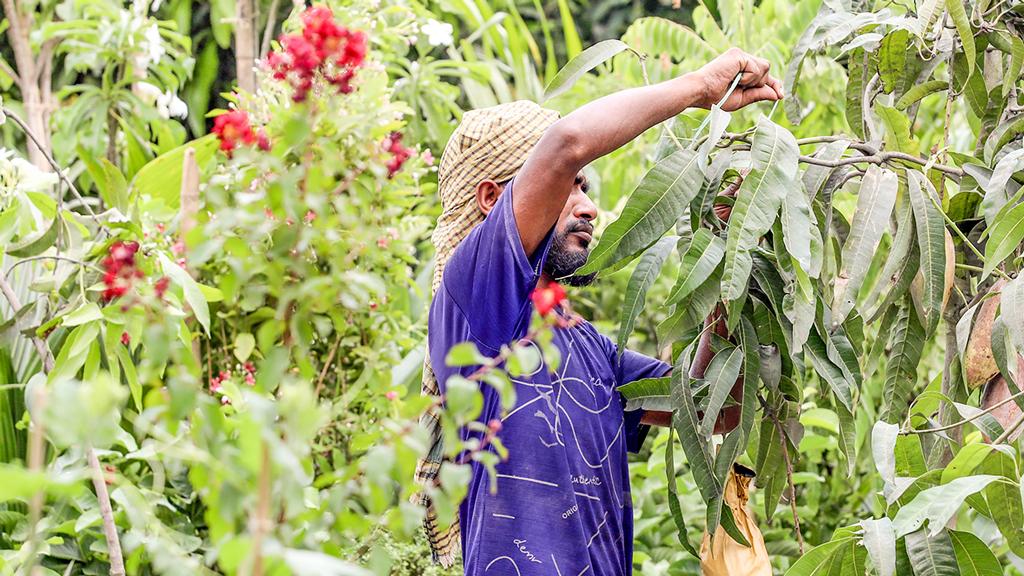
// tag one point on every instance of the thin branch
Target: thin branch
(61, 258)
(6, 69)
(881, 158)
(268, 32)
(789, 479)
(53, 163)
(327, 365)
(106, 513)
(967, 420)
(1009, 431)
(36, 449)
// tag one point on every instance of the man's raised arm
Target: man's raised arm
(602, 126)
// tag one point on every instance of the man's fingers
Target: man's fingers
(755, 71)
(776, 85)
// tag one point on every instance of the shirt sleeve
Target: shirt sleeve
(629, 367)
(490, 277)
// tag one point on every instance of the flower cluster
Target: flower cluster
(248, 371)
(546, 298)
(399, 153)
(325, 48)
(233, 128)
(119, 270)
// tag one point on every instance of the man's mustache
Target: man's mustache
(580, 226)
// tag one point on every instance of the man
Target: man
(515, 212)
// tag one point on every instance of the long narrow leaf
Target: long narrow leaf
(585, 62)
(931, 238)
(699, 263)
(906, 343)
(645, 273)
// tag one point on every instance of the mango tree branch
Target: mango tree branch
(960, 423)
(35, 448)
(882, 158)
(6, 69)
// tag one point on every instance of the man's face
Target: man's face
(573, 234)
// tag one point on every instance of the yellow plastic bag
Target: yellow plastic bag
(725, 557)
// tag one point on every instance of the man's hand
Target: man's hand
(755, 85)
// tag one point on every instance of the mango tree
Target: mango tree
(784, 293)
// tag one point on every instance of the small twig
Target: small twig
(106, 513)
(61, 258)
(260, 524)
(967, 420)
(1009, 431)
(6, 69)
(881, 158)
(53, 163)
(789, 479)
(327, 365)
(268, 31)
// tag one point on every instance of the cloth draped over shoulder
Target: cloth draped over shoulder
(489, 144)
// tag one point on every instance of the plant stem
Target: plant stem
(1009, 431)
(37, 449)
(106, 513)
(260, 523)
(967, 420)
(881, 158)
(789, 480)
(245, 46)
(268, 31)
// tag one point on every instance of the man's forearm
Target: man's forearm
(610, 122)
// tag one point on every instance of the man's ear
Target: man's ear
(487, 193)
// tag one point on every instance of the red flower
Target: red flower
(233, 128)
(393, 144)
(125, 338)
(119, 269)
(161, 286)
(391, 395)
(546, 298)
(262, 140)
(324, 48)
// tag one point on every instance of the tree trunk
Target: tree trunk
(245, 45)
(28, 81)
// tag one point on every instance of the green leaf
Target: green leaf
(245, 343)
(892, 59)
(1004, 237)
(973, 557)
(687, 426)
(963, 29)
(815, 176)
(900, 266)
(1004, 133)
(932, 555)
(37, 244)
(797, 230)
(673, 496)
(1016, 63)
(464, 354)
(1004, 499)
(84, 313)
(815, 348)
(880, 542)
(646, 388)
(124, 358)
(699, 263)
(108, 179)
(859, 72)
(721, 375)
(906, 342)
(774, 154)
(193, 295)
(897, 129)
(875, 201)
(771, 465)
(931, 238)
(644, 275)
(653, 208)
(160, 178)
(919, 91)
(816, 557)
(580, 65)
(736, 441)
(17, 483)
(938, 504)
(1012, 312)
(883, 449)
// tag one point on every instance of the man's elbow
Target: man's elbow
(565, 144)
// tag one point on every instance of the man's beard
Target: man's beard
(563, 260)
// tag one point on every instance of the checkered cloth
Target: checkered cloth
(489, 144)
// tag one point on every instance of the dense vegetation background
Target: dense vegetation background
(213, 321)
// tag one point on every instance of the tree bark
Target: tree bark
(34, 101)
(245, 45)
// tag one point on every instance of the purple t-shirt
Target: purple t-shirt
(563, 505)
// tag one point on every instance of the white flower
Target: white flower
(18, 176)
(152, 46)
(170, 106)
(438, 33)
